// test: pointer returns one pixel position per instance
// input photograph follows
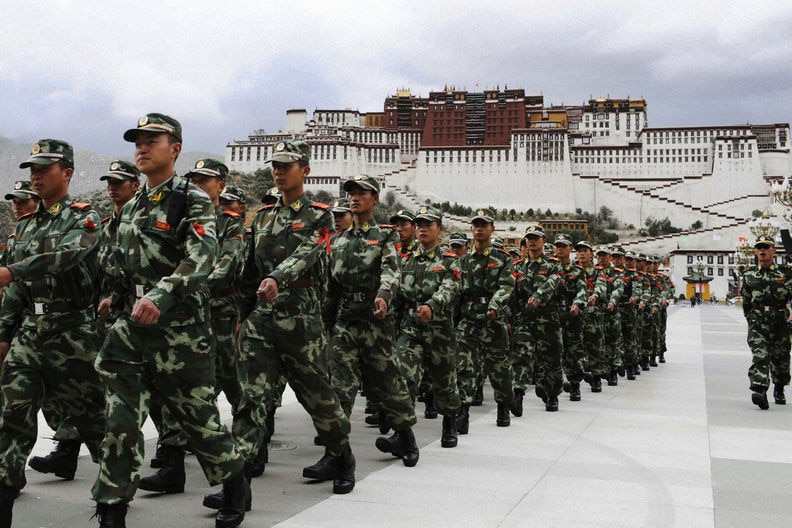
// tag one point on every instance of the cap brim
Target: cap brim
(206, 172)
(132, 134)
(38, 160)
(117, 177)
(395, 218)
(487, 219)
(349, 185)
(230, 197)
(430, 217)
(285, 157)
(23, 195)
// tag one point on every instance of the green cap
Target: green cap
(49, 151)
(764, 239)
(157, 123)
(402, 214)
(482, 215)
(209, 167)
(603, 249)
(584, 243)
(458, 239)
(427, 212)
(534, 231)
(562, 240)
(291, 150)
(22, 190)
(341, 206)
(234, 194)
(617, 250)
(271, 196)
(548, 248)
(363, 181)
(121, 170)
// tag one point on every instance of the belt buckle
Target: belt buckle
(766, 308)
(358, 297)
(140, 291)
(39, 308)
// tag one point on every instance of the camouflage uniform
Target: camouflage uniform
(169, 265)
(572, 288)
(593, 333)
(48, 316)
(628, 314)
(612, 330)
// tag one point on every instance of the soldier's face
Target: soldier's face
(51, 182)
(211, 185)
(629, 262)
(583, 255)
(21, 206)
(563, 251)
(232, 205)
(154, 152)
(342, 220)
(459, 249)
(362, 201)
(764, 254)
(406, 230)
(618, 261)
(121, 191)
(289, 177)
(428, 232)
(534, 244)
(482, 230)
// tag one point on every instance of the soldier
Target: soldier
(594, 293)
(363, 278)
(458, 243)
(765, 293)
(404, 223)
(628, 315)
(48, 315)
(233, 199)
(612, 273)
(342, 215)
(427, 293)
(280, 315)
(163, 254)
(23, 201)
(271, 196)
(537, 351)
(487, 284)
(572, 299)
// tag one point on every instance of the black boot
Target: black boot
(662, 357)
(236, 492)
(778, 394)
(630, 372)
(409, 448)
(62, 460)
(516, 406)
(541, 392)
(170, 477)
(653, 361)
(596, 384)
(478, 397)
(111, 515)
(159, 457)
(759, 398)
(7, 497)
(574, 392)
(269, 426)
(613, 379)
(390, 444)
(503, 419)
(215, 501)
(325, 469)
(431, 411)
(448, 438)
(370, 407)
(552, 404)
(345, 478)
(463, 420)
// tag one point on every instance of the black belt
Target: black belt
(41, 308)
(359, 296)
(478, 300)
(769, 308)
(140, 290)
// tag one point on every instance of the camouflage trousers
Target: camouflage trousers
(769, 341)
(646, 336)
(177, 363)
(544, 330)
(593, 335)
(522, 355)
(363, 351)
(427, 353)
(275, 347)
(628, 314)
(573, 355)
(490, 339)
(663, 326)
(613, 347)
(53, 369)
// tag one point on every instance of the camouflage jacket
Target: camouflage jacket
(168, 264)
(224, 278)
(487, 282)
(766, 291)
(572, 288)
(363, 265)
(54, 264)
(614, 282)
(539, 279)
(632, 286)
(289, 244)
(431, 278)
(596, 284)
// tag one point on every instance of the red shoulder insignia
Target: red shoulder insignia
(450, 254)
(106, 219)
(26, 215)
(265, 207)
(388, 226)
(80, 206)
(231, 214)
(320, 205)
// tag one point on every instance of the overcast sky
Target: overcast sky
(85, 70)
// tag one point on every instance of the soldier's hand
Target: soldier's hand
(574, 310)
(633, 300)
(4, 347)
(5, 277)
(424, 313)
(380, 308)
(103, 309)
(492, 314)
(267, 290)
(611, 306)
(145, 311)
(654, 310)
(592, 300)
(532, 302)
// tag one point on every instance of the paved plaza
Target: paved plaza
(682, 446)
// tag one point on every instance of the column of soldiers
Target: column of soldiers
(170, 301)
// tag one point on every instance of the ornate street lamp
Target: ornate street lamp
(764, 225)
(782, 193)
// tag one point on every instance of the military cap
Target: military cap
(617, 250)
(584, 243)
(157, 123)
(362, 181)
(341, 206)
(548, 248)
(233, 193)
(427, 212)
(457, 239)
(22, 190)
(121, 170)
(497, 242)
(603, 249)
(402, 214)
(641, 257)
(534, 231)
(482, 215)
(291, 150)
(764, 239)
(209, 167)
(562, 239)
(49, 151)
(271, 196)
(630, 255)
